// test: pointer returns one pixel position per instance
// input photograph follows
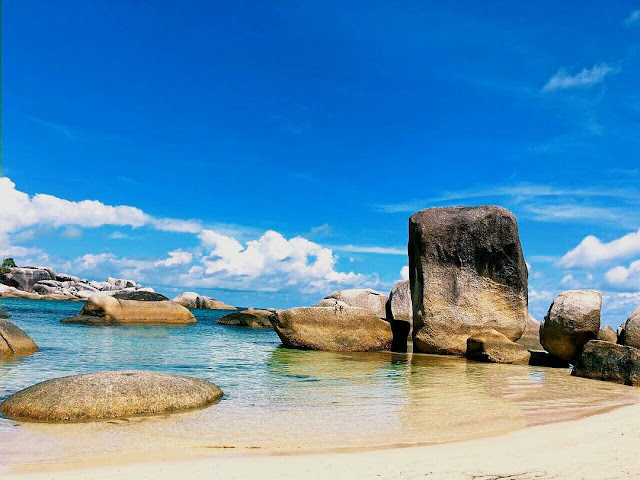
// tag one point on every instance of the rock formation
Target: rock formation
(609, 362)
(247, 318)
(607, 334)
(493, 347)
(195, 300)
(358, 297)
(630, 330)
(105, 310)
(102, 395)
(350, 329)
(14, 342)
(572, 320)
(467, 275)
(530, 338)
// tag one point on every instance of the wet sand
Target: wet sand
(604, 446)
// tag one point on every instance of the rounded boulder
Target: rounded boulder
(107, 395)
(14, 342)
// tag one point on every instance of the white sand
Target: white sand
(605, 446)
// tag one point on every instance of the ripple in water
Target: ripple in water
(282, 399)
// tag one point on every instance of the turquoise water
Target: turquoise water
(281, 399)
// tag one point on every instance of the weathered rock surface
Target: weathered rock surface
(572, 320)
(358, 297)
(609, 362)
(14, 342)
(607, 334)
(4, 314)
(27, 277)
(247, 318)
(530, 338)
(105, 310)
(103, 395)
(350, 329)
(195, 300)
(399, 304)
(630, 330)
(140, 295)
(540, 358)
(493, 347)
(467, 275)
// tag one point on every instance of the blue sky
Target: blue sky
(325, 126)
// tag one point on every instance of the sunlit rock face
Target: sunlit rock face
(467, 275)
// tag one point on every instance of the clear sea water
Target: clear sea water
(280, 399)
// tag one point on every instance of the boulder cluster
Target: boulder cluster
(45, 283)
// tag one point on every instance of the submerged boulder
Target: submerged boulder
(103, 395)
(105, 310)
(4, 314)
(609, 362)
(247, 318)
(530, 338)
(468, 276)
(607, 334)
(630, 330)
(195, 300)
(14, 342)
(493, 347)
(572, 320)
(349, 329)
(358, 297)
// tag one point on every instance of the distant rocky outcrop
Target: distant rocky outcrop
(358, 297)
(607, 334)
(43, 283)
(630, 330)
(103, 395)
(467, 275)
(530, 338)
(14, 342)
(252, 318)
(334, 328)
(493, 347)
(572, 320)
(195, 300)
(106, 310)
(609, 362)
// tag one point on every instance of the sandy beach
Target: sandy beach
(603, 446)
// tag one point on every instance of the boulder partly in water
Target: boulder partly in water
(365, 298)
(195, 300)
(530, 338)
(106, 395)
(467, 275)
(348, 329)
(252, 318)
(493, 347)
(572, 320)
(609, 362)
(14, 342)
(106, 310)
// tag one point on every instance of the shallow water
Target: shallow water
(281, 399)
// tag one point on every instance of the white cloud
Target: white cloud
(625, 277)
(584, 78)
(535, 295)
(72, 232)
(364, 249)
(176, 257)
(633, 18)
(404, 272)
(591, 250)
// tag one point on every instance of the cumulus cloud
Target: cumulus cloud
(586, 77)
(535, 295)
(176, 257)
(625, 277)
(591, 250)
(404, 272)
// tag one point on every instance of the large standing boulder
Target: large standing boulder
(467, 275)
(14, 342)
(358, 297)
(195, 300)
(106, 310)
(572, 320)
(530, 338)
(493, 347)
(102, 395)
(630, 330)
(609, 362)
(607, 334)
(399, 303)
(24, 278)
(332, 328)
(251, 318)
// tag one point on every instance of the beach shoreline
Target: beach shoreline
(597, 447)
